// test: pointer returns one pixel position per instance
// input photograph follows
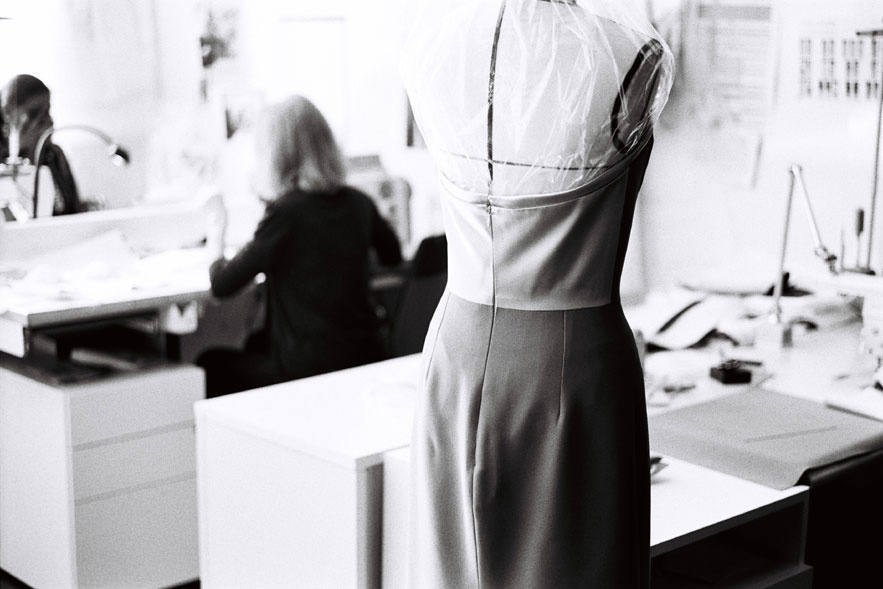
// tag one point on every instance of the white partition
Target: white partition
(145, 228)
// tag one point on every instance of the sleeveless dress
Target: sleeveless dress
(530, 451)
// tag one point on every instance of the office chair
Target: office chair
(423, 288)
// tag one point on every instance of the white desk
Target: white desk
(78, 268)
(290, 477)
(693, 509)
(97, 478)
(174, 304)
(842, 533)
(291, 489)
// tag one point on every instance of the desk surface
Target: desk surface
(817, 365)
(100, 264)
(822, 363)
(43, 312)
(690, 502)
(162, 284)
(51, 293)
(350, 417)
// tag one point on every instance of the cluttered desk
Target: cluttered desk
(91, 266)
(725, 513)
(804, 413)
(99, 439)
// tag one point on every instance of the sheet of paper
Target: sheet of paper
(867, 401)
(697, 322)
(659, 308)
(761, 436)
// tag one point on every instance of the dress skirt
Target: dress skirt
(530, 451)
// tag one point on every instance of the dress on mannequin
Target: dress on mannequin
(530, 447)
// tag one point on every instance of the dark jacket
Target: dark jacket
(315, 251)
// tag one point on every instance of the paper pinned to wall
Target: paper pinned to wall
(731, 62)
(824, 62)
(728, 70)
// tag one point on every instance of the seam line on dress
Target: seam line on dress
(475, 449)
(563, 362)
(444, 310)
(490, 147)
(615, 173)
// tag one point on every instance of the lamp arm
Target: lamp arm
(113, 149)
(796, 174)
(777, 285)
(820, 250)
(38, 155)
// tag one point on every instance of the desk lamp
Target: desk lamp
(857, 281)
(866, 285)
(779, 331)
(117, 154)
(874, 34)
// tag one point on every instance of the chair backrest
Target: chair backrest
(431, 257)
(420, 295)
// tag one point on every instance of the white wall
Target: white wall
(132, 69)
(114, 65)
(701, 218)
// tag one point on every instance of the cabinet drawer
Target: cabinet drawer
(134, 463)
(135, 402)
(140, 540)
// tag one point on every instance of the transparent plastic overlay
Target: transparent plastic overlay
(523, 97)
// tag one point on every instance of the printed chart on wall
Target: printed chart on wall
(729, 63)
(831, 68)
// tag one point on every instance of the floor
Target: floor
(7, 581)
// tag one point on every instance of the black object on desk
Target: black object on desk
(656, 464)
(731, 372)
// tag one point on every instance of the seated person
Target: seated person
(24, 102)
(314, 246)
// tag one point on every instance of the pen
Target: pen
(747, 362)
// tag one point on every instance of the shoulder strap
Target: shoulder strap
(629, 115)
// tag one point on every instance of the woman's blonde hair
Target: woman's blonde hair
(298, 149)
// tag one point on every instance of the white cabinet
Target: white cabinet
(290, 477)
(97, 479)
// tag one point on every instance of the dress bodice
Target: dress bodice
(539, 116)
(543, 252)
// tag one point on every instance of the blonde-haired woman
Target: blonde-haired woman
(314, 246)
